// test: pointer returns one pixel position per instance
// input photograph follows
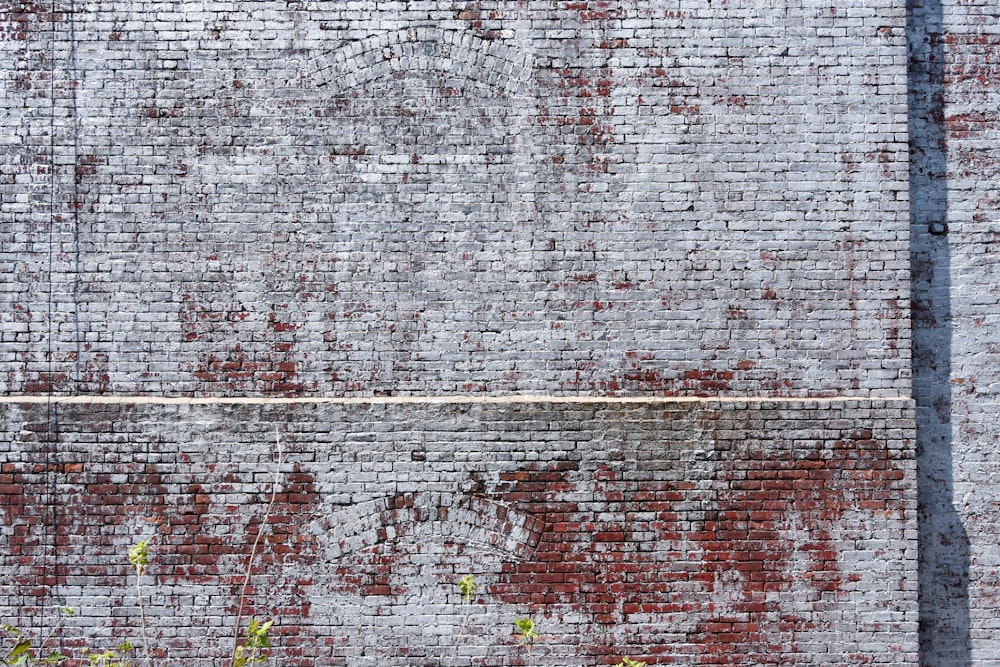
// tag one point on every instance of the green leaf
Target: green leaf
(256, 635)
(467, 585)
(138, 556)
(53, 658)
(21, 650)
(629, 662)
(526, 630)
(107, 658)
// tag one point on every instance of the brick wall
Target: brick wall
(286, 198)
(694, 533)
(374, 225)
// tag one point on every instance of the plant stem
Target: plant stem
(256, 542)
(55, 628)
(142, 617)
(461, 631)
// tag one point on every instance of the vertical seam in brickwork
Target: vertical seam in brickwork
(48, 509)
(75, 203)
(52, 194)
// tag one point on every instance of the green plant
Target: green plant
(239, 652)
(138, 558)
(255, 640)
(526, 633)
(247, 648)
(629, 662)
(21, 653)
(467, 587)
(112, 657)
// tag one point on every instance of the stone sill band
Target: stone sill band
(388, 400)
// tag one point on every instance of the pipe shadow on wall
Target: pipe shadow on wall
(943, 541)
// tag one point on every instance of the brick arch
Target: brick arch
(424, 48)
(471, 520)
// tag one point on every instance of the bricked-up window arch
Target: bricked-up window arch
(424, 48)
(426, 148)
(405, 554)
(438, 517)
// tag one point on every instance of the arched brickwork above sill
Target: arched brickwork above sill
(425, 48)
(463, 519)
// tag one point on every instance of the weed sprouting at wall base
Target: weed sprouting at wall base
(249, 651)
(467, 586)
(255, 639)
(526, 634)
(251, 643)
(112, 657)
(248, 645)
(138, 558)
(629, 662)
(21, 651)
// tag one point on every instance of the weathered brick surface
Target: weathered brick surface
(698, 533)
(372, 197)
(954, 127)
(420, 199)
